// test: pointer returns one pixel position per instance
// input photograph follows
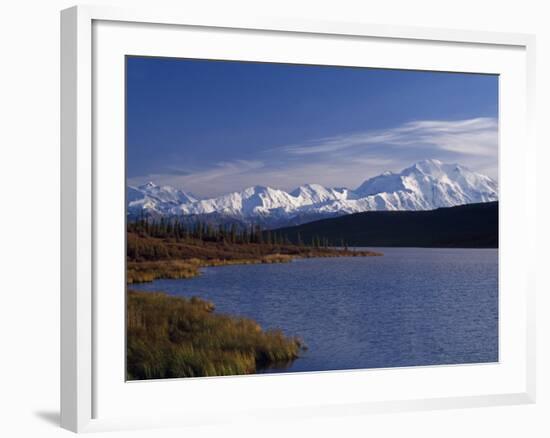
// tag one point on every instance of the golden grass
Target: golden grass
(177, 337)
(153, 258)
(142, 272)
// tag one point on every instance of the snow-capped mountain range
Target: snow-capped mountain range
(426, 185)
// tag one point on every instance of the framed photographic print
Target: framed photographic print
(270, 206)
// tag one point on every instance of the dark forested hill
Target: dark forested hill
(466, 226)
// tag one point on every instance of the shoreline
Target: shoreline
(172, 337)
(167, 328)
(182, 260)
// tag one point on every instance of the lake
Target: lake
(410, 307)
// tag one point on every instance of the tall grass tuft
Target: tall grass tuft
(171, 337)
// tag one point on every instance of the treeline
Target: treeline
(464, 226)
(164, 249)
(178, 230)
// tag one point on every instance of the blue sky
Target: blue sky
(210, 127)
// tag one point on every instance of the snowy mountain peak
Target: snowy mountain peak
(256, 190)
(427, 167)
(427, 184)
(430, 162)
(148, 186)
(430, 184)
(313, 188)
(151, 198)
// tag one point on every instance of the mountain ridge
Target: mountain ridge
(463, 226)
(426, 185)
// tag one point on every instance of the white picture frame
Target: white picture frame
(83, 181)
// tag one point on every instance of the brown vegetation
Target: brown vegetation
(178, 337)
(141, 272)
(151, 258)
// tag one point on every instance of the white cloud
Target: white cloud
(205, 182)
(478, 136)
(348, 159)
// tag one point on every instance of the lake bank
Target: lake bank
(411, 307)
(170, 337)
(150, 258)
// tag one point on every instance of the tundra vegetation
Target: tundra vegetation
(183, 337)
(166, 249)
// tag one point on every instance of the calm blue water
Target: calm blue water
(410, 307)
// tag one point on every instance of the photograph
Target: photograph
(291, 218)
